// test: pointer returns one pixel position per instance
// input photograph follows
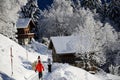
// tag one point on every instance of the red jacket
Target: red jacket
(39, 67)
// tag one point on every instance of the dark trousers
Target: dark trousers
(40, 75)
(49, 68)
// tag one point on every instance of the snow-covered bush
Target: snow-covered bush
(112, 56)
(31, 10)
(92, 37)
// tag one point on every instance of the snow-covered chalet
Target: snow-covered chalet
(62, 49)
(25, 30)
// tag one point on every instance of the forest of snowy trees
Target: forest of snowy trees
(63, 13)
(96, 24)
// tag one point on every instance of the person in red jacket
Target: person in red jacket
(39, 68)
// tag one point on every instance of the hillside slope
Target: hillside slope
(21, 66)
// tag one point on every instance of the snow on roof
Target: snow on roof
(22, 22)
(64, 44)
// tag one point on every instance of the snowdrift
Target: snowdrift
(67, 72)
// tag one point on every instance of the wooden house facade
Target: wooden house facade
(24, 30)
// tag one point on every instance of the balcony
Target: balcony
(28, 35)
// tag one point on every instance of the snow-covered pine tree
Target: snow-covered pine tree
(76, 4)
(36, 16)
(91, 4)
(31, 10)
(103, 12)
(113, 11)
(112, 55)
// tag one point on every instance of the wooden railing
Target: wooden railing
(28, 35)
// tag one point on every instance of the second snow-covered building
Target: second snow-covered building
(62, 49)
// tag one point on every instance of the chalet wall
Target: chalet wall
(63, 58)
(55, 57)
(67, 58)
(23, 30)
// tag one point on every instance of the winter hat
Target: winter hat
(38, 57)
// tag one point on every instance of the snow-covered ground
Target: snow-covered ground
(21, 66)
(22, 69)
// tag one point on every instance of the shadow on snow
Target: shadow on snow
(5, 77)
(26, 64)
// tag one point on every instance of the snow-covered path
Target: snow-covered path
(67, 72)
(64, 72)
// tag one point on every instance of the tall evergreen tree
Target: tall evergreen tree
(31, 10)
(103, 12)
(91, 4)
(113, 11)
